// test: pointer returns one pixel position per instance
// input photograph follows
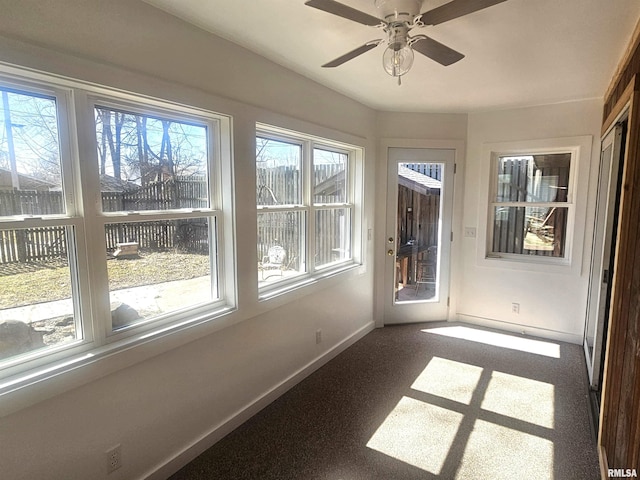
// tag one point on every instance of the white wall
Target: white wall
(158, 407)
(552, 303)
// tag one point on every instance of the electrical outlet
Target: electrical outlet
(114, 458)
(515, 308)
(470, 232)
(318, 336)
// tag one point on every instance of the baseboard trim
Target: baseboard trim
(221, 430)
(523, 329)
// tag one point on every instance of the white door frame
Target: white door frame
(383, 288)
(599, 281)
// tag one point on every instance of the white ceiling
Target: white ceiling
(518, 53)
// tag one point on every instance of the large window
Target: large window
(305, 199)
(155, 170)
(123, 237)
(530, 207)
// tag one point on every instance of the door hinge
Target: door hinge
(448, 301)
(455, 168)
(452, 236)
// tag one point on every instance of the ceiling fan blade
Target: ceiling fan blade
(435, 50)
(344, 11)
(455, 9)
(352, 54)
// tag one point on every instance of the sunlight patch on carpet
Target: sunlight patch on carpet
(498, 452)
(417, 433)
(521, 398)
(538, 347)
(448, 379)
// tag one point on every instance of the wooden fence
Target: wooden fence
(32, 244)
(48, 243)
(275, 186)
(30, 202)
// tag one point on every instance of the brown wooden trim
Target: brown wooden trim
(618, 410)
(621, 104)
(634, 43)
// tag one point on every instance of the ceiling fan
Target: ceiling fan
(397, 19)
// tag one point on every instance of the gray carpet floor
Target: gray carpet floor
(419, 402)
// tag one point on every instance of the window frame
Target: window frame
(493, 204)
(213, 213)
(309, 270)
(580, 149)
(75, 101)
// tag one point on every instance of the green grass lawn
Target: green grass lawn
(26, 284)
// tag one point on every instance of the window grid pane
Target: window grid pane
(533, 178)
(158, 267)
(333, 235)
(36, 306)
(280, 244)
(278, 172)
(329, 176)
(30, 169)
(539, 231)
(148, 163)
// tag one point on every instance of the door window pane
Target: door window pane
(278, 172)
(30, 171)
(158, 267)
(36, 306)
(418, 231)
(150, 163)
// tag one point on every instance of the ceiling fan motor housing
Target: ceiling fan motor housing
(393, 11)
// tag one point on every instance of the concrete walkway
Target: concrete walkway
(147, 300)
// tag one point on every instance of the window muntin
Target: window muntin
(305, 206)
(531, 205)
(53, 235)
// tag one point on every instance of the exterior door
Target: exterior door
(601, 258)
(418, 239)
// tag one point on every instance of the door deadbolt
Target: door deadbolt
(390, 239)
(390, 253)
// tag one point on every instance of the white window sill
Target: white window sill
(284, 287)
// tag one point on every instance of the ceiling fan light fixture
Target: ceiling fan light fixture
(398, 10)
(397, 60)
